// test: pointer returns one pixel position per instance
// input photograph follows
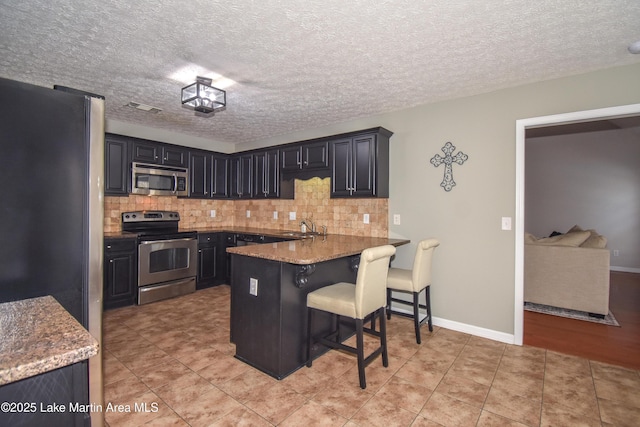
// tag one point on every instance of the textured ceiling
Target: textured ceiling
(302, 64)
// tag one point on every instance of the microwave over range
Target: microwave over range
(158, 180)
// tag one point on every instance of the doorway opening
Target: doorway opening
(521, 127)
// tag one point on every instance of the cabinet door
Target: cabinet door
(266, 174)
(242, 176)
(363, 166)
(174, 156)
(199, 179)
(260, 167)
(220, 176)
(119, 279)
(147, 152)
(291, 158)
(315, 155)
(341, 168)
(207, 266)
(272, 177)
(116, 168)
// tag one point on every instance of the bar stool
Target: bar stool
(414, 282)
(366, 297)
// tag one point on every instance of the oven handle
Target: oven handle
(147, 242)
(175, 183)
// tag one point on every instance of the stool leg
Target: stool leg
(360, 352)
(309, 338)
(388, 304)
(383, 338)
(429, 308)
(416, 315)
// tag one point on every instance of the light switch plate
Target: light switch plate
(506, 223)
(212, 212)
(365, 218)
(275, 214)
(248, 214)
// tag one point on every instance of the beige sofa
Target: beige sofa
(568, 271)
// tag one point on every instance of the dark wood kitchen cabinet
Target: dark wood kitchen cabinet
(360, 165)
(313, 155)
(120, 272)
(145, 151)
(211, 260)
(242, 176)
(116, 165)
(209, 175)
(266, 171)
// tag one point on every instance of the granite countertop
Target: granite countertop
(312, 250)
(38, 335)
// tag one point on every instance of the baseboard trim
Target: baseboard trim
(467, 329)
(625, 269)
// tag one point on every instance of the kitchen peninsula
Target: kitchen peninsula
(269, 287)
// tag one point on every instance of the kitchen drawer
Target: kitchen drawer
(120, 245)
(204, 238)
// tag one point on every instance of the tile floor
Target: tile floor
(175, 357)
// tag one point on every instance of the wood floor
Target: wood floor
(610, 344)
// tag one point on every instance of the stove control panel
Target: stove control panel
(150, 216)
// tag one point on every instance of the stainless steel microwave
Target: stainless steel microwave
(158, 180)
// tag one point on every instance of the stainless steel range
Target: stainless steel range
(167, 258)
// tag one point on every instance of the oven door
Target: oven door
(164, 260)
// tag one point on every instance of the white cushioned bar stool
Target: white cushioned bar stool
(414, 281)
(366, 297)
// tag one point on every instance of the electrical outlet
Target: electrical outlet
(365, 218)
(616, 252)
(275, 214)
(292, 216)
(253, 287)
(506, 223)
(212, 212)
(248, 214)
(396, 219)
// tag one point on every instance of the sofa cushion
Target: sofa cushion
(595, 240)
(573, 239)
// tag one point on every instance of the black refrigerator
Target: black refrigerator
(51, 204)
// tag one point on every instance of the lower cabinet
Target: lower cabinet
(58, 398)
(120, 272)
(211, 260)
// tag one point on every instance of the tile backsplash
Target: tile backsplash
(312, 201)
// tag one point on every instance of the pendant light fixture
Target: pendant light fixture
(202, 97)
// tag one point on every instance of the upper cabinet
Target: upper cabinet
(266, 171)
(360, 164)
(313, 155)
(209, 174)
(116, 165)
(242, 176)
(145, 151)
(356, 162)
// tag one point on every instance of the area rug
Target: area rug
(609, 319)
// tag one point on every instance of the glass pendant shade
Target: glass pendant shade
(203, 97)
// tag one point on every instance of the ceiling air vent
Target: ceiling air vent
(143, 107)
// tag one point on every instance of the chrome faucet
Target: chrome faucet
(306, 222)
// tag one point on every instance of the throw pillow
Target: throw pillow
(595, 240)
(575, 228)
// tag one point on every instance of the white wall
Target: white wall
(474, 268)
(590, 179)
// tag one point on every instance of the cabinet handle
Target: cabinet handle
(298, 160)
(108, 246)
(110, 261)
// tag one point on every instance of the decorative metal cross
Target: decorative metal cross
(447, 182)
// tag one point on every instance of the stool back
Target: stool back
(371, 282)
(421, 273)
